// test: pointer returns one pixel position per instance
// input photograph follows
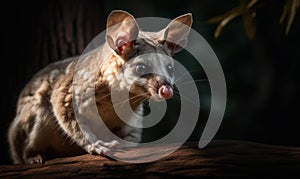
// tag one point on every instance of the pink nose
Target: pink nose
(165, 92)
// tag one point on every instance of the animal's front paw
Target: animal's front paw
(103, 148)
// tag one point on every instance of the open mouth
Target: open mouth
(161, 93)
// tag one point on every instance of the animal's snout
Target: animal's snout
(165, 92)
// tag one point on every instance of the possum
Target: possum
(45, 126)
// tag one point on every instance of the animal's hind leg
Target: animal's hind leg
(23, 137)
(16, 139)
(39, 138)
(32, 152)
(29, 134)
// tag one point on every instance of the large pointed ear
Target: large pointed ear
(176, 33)
(121, 31)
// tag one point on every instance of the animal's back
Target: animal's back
(35, 114)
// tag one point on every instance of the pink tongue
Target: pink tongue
(165, 92)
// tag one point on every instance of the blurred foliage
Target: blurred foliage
(289, 12)
(247, 10)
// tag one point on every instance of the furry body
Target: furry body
(45, 125)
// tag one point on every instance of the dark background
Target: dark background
(261, 74)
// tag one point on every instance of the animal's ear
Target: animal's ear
(176, 33)
(121, 31)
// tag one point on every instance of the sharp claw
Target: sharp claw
(114, 144)
(103, 150)
(36, 160)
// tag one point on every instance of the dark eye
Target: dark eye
(141, 69)
(170, 69)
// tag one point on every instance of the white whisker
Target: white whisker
(127, 100)
(102, 97)
(186, 98)
(186, 73)
(189, 82)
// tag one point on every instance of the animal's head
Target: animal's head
(147, 56)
